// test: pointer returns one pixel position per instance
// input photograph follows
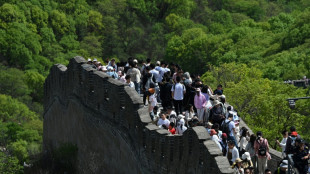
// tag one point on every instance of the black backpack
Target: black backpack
(262, 150)
(225, 128)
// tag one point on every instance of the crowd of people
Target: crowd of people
(187, 102)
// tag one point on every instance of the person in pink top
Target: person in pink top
(200, 102)
(261, 147)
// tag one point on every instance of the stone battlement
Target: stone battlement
(114, 132)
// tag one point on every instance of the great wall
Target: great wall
(113, 131)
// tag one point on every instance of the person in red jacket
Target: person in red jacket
(171, 128)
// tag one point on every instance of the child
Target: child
(129, 82)
(171, 128)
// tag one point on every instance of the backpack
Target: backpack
(149, 82)
(262, 150)
(225, 128)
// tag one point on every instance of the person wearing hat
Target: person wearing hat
(111, 72)
(246, 160)
(89, 61)
(223, 143)
(215, 138)
(200, 102)
(290, 143)
(209, 127)
(301, 157)
(237, 166)
(282, 169)
(216, 113)
(181, 128)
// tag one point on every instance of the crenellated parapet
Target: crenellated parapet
(113, 130)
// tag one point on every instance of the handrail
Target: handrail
(291, 168)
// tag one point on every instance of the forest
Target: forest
(248, 46)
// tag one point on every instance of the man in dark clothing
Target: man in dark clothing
(219, 90)
(290, 143)
(216, 113)
(165, 91)
(301, 157)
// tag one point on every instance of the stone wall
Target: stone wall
(113, 131)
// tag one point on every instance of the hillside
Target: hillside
(249, 46)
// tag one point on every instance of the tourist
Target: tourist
(216, 113)
(283, 143)
(121, 76)
(135, 75)
(290, 142)
(171, 128)
(243, 140)
(152, 102)
(261, 147)
(129, 82)
(113, 64)
(250, 147)
(181, 128)
(215, 138)
(147, 81)
(165, 93)
(111, 72)
(232, 152)
(219, 90)
(301, 157)
(200, 102)
(246, 160)
(224, 144)
(228, 127)
(282, 169)
(163, 122)
(189, 113)
(178, 91)
(237, 166)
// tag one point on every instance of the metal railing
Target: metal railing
(291, 168)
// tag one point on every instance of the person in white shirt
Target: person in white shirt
(243, 140)
(170, 112)
(178, 90)
(152, 102)
(129, 82)
(282, 144)
(135, 75)
(232, 152)
(163, 121)
(215, 138)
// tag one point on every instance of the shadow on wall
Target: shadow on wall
(112, 130)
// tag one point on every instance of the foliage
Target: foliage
(9, 164)
(260, 102)
(241, 44)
